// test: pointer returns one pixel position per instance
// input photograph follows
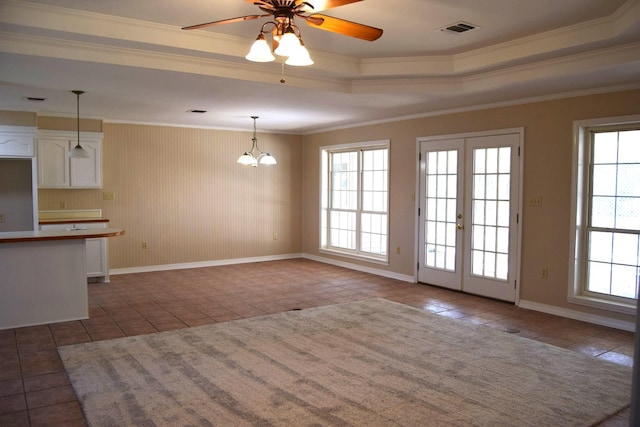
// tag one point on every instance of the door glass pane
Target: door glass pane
(441, 209)
(491, 212)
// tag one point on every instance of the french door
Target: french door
(469, 203)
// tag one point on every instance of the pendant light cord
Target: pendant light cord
(78, 93)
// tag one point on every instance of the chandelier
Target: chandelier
(254, 156)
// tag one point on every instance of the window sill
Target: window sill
(354, 256)
(603, 304)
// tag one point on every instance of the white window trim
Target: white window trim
(324, 150)
(578, 177)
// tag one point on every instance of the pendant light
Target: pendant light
(254, 156)
(78, 152)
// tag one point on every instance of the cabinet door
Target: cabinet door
(16, 145)
(53, 163)
(96, 255)
(87, 172)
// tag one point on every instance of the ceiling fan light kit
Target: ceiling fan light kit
(286, 38)
(260, 51)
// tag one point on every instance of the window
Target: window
(355, 199)
(607, 215)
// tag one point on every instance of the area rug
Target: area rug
(366, 363)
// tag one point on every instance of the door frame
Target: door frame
(518, 250)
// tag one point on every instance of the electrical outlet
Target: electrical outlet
(63, 205)
(545, 273)
(275, 236)
(145, 245)
(3, 216)
(108, 195)
(398, 250)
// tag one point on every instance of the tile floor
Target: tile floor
(35, 390)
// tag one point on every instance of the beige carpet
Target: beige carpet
(369, 363)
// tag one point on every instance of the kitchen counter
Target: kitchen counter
(43, 275)
(71, 233)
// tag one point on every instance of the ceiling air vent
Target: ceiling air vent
(33, 99)
(197, 111)
(459, 27)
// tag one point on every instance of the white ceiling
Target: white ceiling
(136, 64)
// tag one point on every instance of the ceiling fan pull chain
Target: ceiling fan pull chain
(282, 79)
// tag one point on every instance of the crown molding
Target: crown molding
(75, 25)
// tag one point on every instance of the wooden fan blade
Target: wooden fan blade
(347, 28)
(319, 5)
(225, 21)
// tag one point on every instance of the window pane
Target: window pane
(503, 214)
(478, 212)
(492, 187)
(504, 182)
(478, 187)
(600, 246)
(603, 212)
(492, 161)
(477, 262)
(477, 237)
(453, 163)
(604, 180)
(443, 162)
(451, 235)
(490, 239)
(624, 280)
(502, 242)
(629, 180)
(491, 213)
(450, 263)
(431, 209)
(599, 277)
(605, 148)
(452, 186)
(451, 210)
(502, 266)
(628, 213)
(625, 249)
(629, 148)
(504, 167)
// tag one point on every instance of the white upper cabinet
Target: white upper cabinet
(57, 170)
(17, 141)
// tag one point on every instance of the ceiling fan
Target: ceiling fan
(284, 11)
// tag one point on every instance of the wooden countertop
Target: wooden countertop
(42, 235)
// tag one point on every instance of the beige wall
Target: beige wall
(547, 173)
(181, 190)
(17, 118)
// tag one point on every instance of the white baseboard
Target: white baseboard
(579, 315)
(376, 271)
(215, 263)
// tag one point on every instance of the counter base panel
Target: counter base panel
(42, 282)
